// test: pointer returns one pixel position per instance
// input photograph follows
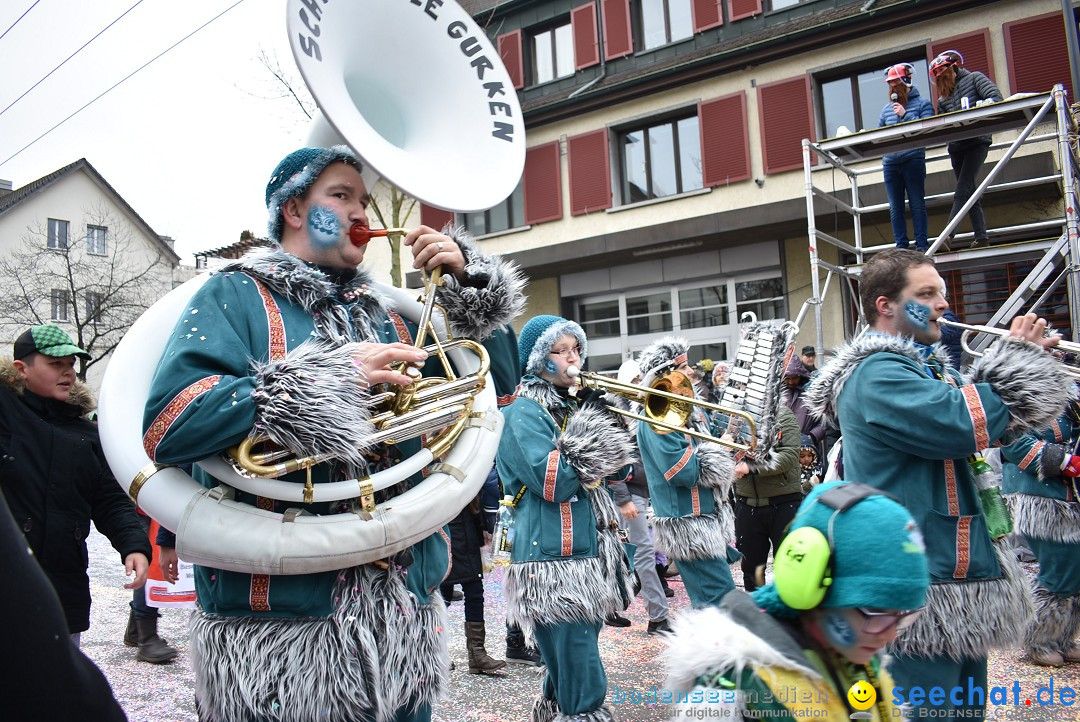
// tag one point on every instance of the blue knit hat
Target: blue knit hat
(539, 335)
(878, 558)
(295, 174)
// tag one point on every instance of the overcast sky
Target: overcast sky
(189, 141)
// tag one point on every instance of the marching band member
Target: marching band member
(567, 569)
(689, 481)
(910, 424)
(288, 343)
(1040, 473)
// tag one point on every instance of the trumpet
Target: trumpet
(968, 329)
(424, 406)
(667, 403)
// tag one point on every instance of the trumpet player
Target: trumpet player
(568, 571)
(1040, 472)
(290, 343)
(911, 425)
(689, 482)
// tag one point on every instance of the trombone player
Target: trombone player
(290, 343)
(689, 482)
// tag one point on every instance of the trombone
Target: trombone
(668, 403)
(969, 330)
(424, 406)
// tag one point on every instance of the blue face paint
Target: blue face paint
(550, 367)
(324, 227)
(838, 631)
(918, 314)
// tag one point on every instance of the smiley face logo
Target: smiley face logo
(862, 695)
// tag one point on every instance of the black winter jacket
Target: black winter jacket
(976, 87)
(55, 479)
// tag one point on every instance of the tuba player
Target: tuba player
(289, 343)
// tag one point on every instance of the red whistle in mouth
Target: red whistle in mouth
(360, 235)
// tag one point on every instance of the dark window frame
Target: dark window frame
(639, 25)
(668, 119)
(507, 204)
(52, 234)
(530, 51)
(916, 55)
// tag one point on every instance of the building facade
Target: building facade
(664, 188)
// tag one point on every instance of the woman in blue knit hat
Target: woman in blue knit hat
(851, 573)
(567, 572)
(290, 342)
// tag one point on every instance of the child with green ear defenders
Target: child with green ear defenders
(849, 575)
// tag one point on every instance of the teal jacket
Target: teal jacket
(1032, 463)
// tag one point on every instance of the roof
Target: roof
(235, 250)
(18, 195)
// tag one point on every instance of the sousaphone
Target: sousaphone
(438, 117)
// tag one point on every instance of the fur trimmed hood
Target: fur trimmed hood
(822, 394)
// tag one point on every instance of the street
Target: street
(164, 693)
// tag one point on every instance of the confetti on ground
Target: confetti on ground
(164, 693)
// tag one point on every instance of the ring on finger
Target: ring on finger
(438, 245)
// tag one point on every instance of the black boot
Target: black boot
(661, 572)
(517, 652)
(479, 660)
(131, 635)
(153, 648)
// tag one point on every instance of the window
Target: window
(664, 22)
(58, 234)
(94, 302)
(649, 314)
(60, 302)
(854, 99)
(781, 4)
(95, 240)
(703, 307)
(660, 160)
(600, 319)
(508, 214)
(552, 53)
(765, 298)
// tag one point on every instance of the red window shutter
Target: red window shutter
(586, 41)
(1037, 54)
(707, 14)
(510, 52)
(739, 9)
(590, 174)
(786, 118)
(725, 140)
(543, 183)
(975, 47)
(618, 40)
(435, 217)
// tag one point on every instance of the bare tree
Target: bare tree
(391, 210)
(99, 283)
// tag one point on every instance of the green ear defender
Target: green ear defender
(801, 568)
(802, 572)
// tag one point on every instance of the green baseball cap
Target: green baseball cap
(48, 339)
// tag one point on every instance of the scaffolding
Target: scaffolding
(1024, 113)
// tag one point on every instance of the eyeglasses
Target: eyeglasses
(564, 352)
(877, 622)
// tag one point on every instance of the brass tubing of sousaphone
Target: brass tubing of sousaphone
(433, 406)
(642, 394)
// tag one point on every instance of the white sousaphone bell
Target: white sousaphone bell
(439, 118)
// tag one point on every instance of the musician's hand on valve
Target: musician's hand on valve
(431, 249)
(374, 360)
(1032, 328)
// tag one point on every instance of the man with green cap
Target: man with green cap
(291, 342)
(53, 472)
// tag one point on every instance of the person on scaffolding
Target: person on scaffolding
(905, 171)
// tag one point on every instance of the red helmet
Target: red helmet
(947, 59)
(901, 71)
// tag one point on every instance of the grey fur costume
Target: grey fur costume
(588, 589)
(380, 650)
(965, 620)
